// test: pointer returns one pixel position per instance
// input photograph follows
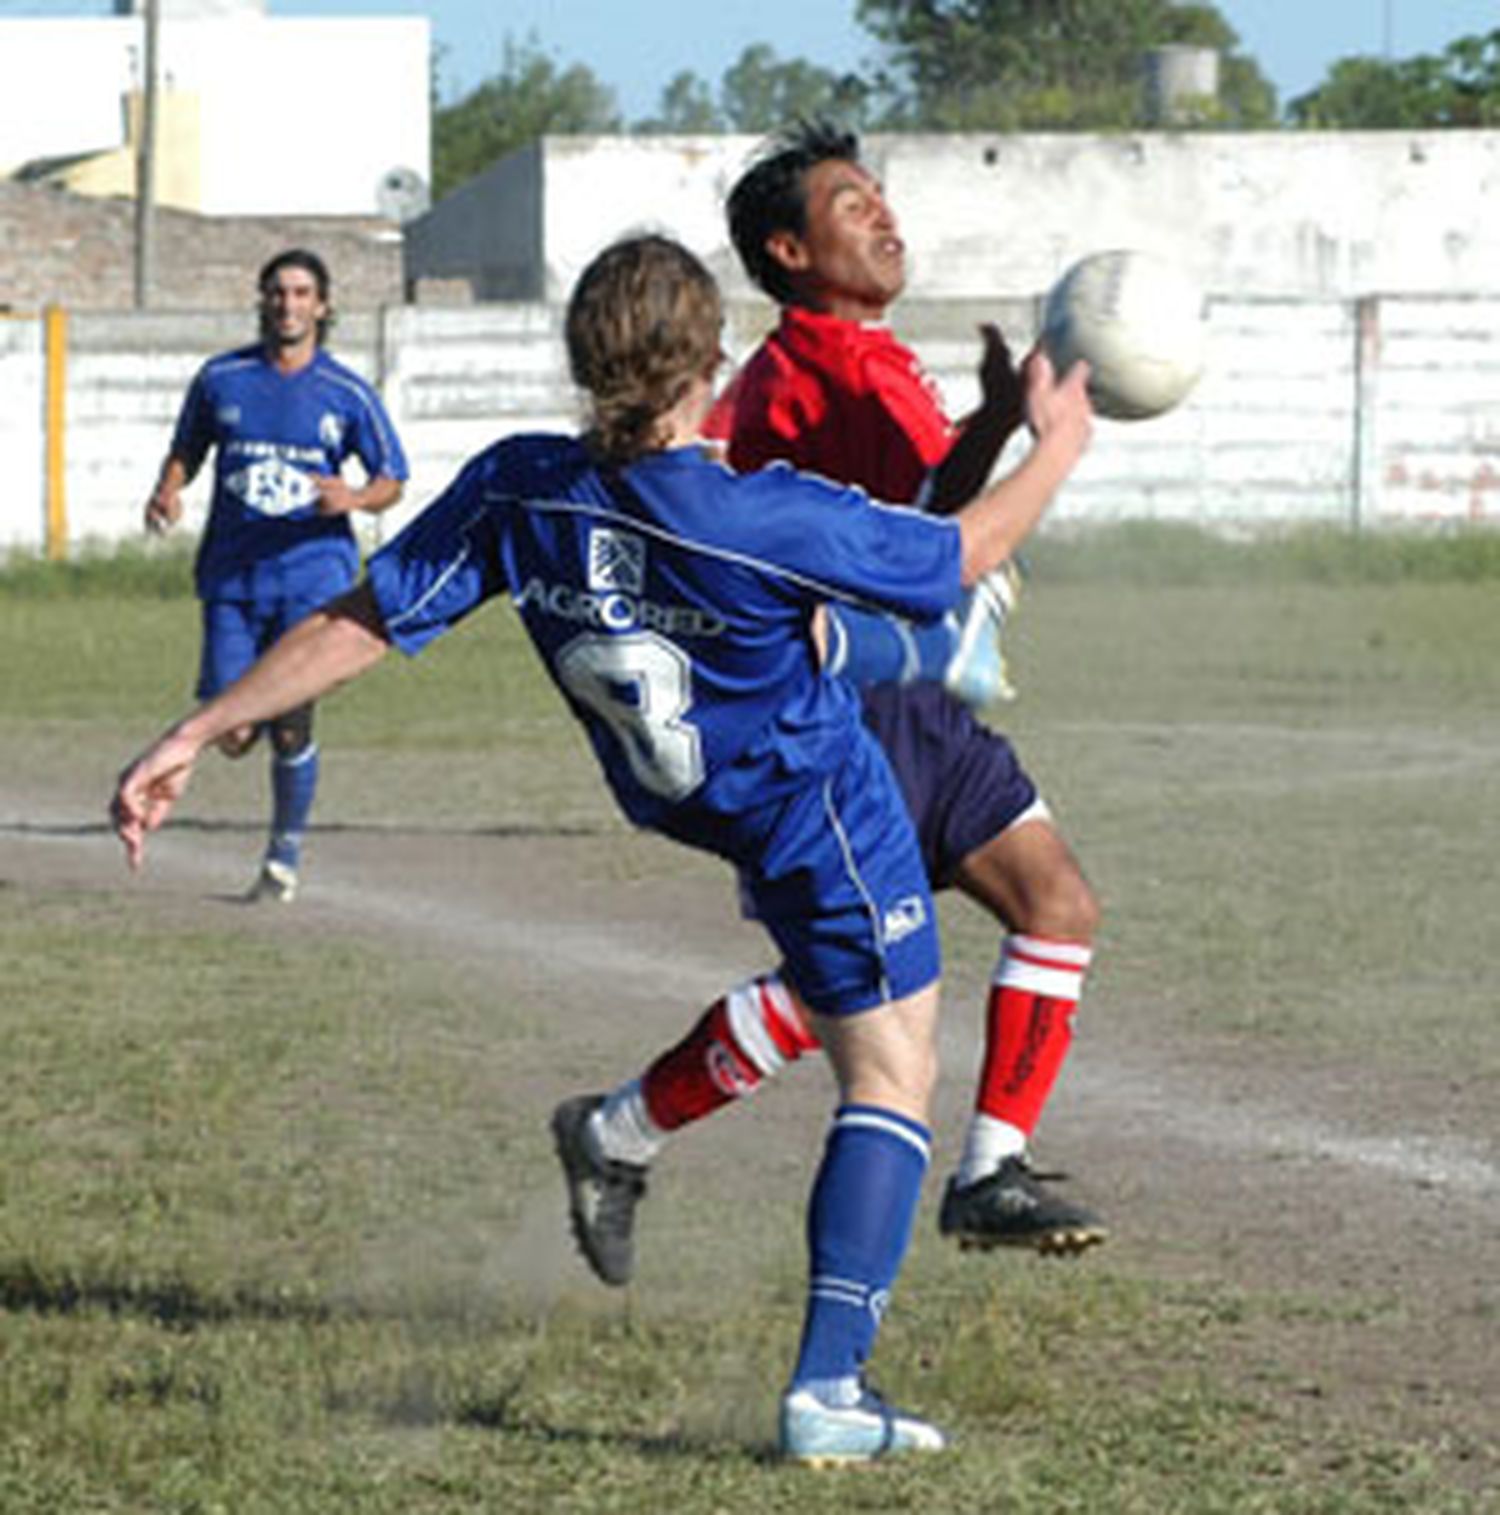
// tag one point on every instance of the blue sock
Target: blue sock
(870, 647)
(859, 1222)
(294, 782)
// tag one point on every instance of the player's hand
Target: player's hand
(163, 510)
(1001, 386)
(335, 497)
(1058, 407)
(146, 792)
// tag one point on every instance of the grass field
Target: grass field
(279, 1230)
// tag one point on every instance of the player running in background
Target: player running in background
(281, 416)
(831, 390)
(672, 601)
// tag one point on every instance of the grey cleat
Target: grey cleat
(602, 1194)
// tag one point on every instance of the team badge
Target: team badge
(617, 561)
(330, 431)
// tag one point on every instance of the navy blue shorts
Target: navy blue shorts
(963, 783)
(237, 632)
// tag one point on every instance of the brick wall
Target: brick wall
(59, 248)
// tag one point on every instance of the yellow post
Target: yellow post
(57, 389)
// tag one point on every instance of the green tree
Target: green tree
(759, 92)
(687, 105)
(1047, 64)
(530, 97)
(1459, 87)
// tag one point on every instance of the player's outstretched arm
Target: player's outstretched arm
(333, 645)
(995, 523)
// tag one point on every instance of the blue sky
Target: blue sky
(636, 45)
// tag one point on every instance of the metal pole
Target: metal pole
(145, 164)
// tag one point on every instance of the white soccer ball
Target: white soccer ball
(1137, 320)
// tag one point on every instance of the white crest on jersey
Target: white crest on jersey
(228, 415)
(617, 560)
(330, 430)
(272, 486)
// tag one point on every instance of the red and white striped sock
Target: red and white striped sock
(1028, 1031)
(741, 1040)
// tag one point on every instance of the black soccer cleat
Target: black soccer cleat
(602, 1194)
(1011, 1208)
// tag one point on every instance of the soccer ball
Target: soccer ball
(1137, 321)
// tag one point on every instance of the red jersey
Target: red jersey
(838, 398)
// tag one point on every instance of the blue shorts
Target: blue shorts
(835, 875)
(963, 783)
(237, 632)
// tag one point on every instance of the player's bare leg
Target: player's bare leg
(1029, 880)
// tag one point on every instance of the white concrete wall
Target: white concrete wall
(1265, 213)
(23, 503)
(299, 115)
(602, 188)
(1317, 214)
(1381, 413)
(455, 380)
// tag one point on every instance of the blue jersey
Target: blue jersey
(272, 431)
(671, 601)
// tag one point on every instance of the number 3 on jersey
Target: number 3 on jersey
(641, 686)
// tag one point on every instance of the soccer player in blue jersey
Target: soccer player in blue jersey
(281, 416)
(672, 602)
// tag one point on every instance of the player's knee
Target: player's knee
(291, 734)
(1081, 905)
(1061, 904)
(236, 743)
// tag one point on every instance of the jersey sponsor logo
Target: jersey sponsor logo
(904, 917)
(617, 560)
(288, 452)
(617, 612)
(272, 487)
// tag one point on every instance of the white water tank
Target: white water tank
(1182, 84)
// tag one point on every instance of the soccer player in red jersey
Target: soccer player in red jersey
(831, 390)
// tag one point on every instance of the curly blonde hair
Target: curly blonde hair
(644, 321)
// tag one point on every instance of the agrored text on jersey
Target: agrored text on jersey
(840, 398)
(671, 602)
(271, 432)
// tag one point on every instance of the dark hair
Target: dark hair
(309, 262)
(644, 321)
(771, 196)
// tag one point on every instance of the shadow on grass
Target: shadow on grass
(496, 1413)
(64, 829)
(169, 1302)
